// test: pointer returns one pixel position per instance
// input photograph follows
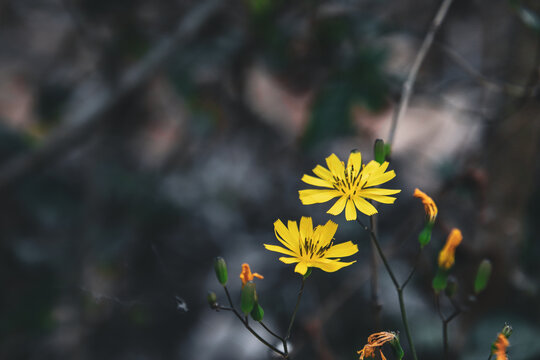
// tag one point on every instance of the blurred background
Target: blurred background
(141, 139)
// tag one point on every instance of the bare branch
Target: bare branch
(411, 78)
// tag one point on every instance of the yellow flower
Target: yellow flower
(352, 184)
(447, 254)
(375, 342)
(246, 274)
(501, 344)
(311, 247)
(429, 204)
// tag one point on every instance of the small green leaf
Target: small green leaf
(248, 297)
(482, 276)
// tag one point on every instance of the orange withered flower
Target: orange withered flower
(500, 346)
(374, 344)
(429, 204)
(246, 274)
(447, 254)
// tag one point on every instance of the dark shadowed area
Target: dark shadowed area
(141, 139)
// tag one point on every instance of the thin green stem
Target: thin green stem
(288, 334)
(490, 356)
(399, 290)
(375, 277)
(413, 269)
(271, 332)
(250, 329)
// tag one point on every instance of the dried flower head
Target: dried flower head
(375, 342)
(500, 346)
(429, 204)
(447, 254)
(246, 274)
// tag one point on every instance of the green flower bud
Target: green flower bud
(257, 313)
(212, 299)
(396, 347)
(440, 280)
(425, 235)
(507, 330)
(380, 151)
(248, 297)
(221, 270)
(482, 276)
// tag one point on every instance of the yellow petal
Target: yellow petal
(311, 180)
(289, 260)
(364, 206)
(350, 211)
(343, 249)
(335, 165)
(380, 179)
(368, 194)
(295, 234)
(338, 207)
(379, 191)
(306, 227)
(327, 232)
(316, 196)
(355, 162)
(284, 237)
(323, 173)
(301, 268)
(331, 265)
(279, 249)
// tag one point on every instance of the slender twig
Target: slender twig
(413, 270)
(250, 329)
(510, 89)
(375, 277)
(411, 78)
(446, 321)
(288, 334)
(399, 290)
(270, 331)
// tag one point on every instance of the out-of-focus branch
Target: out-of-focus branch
(91, 112)
(510, 89)
(406, 91)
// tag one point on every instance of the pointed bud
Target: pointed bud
(212, 299)
(396, 347)
(257, 313)
(425, 235)
(482, 276)
(221, 270)
(380, 152)
(440, 280)
(248, 297)
(451, 286)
